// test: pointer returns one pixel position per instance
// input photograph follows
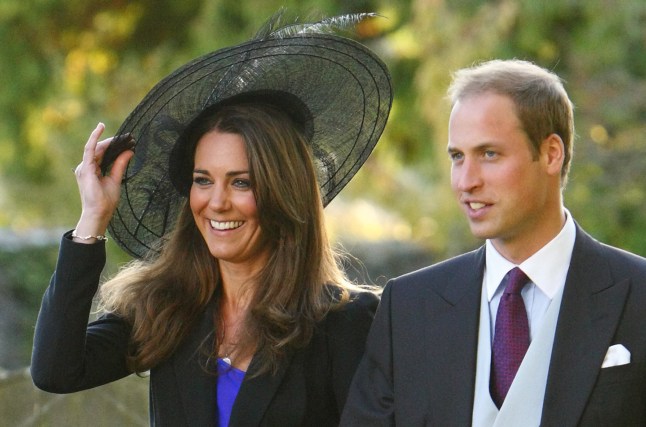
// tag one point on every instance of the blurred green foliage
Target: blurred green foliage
(65, 65)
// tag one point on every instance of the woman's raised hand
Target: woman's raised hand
(99, 194)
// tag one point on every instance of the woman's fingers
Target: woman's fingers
(115, 147)
(119, 166)
(89, 152)
(89, 163)
(94, 154)
(99, 193)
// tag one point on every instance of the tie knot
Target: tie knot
(516, 280)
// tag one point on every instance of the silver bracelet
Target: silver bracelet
(99, 237)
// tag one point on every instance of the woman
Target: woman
(239, 309)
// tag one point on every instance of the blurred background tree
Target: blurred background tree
(69, 64)
(66, 65)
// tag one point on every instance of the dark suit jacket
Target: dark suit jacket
(70, 355)
(420, 362)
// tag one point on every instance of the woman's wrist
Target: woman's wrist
(88, 238)
(89, 230)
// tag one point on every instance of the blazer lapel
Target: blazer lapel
(197, 387)
(589, 315)
(453, 321)
(256, 394)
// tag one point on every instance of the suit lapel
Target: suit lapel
(453, 321)
(589, 315)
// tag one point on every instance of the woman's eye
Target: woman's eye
(200, 180)
(241, 183)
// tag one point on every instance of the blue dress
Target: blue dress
(229, 382)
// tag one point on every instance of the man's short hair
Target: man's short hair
(542, 104)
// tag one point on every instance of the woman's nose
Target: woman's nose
(219, 198)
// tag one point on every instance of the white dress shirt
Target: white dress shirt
(547, 270)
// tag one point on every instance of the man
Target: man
(447, 348)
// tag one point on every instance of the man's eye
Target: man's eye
(455, 156)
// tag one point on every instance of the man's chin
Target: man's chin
(481, 232)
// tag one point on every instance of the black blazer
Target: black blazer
(420, 361)
(70, 355)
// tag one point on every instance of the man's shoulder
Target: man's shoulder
(465, 269)
(624, 264)
(605, 264)
(614, 257)
(469, 260)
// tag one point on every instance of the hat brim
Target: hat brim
(344, 85)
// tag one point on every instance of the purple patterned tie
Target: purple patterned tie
(511, 337)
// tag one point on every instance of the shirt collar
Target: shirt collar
(547, 268)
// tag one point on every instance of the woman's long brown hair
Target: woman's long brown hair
(162, 298)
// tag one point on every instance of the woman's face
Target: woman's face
(223, 202)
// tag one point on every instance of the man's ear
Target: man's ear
(553, 154)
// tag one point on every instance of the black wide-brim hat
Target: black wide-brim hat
(344, 86)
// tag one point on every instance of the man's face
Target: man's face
(501, 187)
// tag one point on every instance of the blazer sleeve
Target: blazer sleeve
(370, 401)
(68, 353)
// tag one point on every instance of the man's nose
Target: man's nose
(467, 175)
